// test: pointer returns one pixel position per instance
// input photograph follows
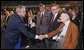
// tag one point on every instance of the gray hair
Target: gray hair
(19, 7)
(67, 16)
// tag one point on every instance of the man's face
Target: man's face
(23, 12)
(49, 8)
(63, 17)
(42, 9)
(54, 10)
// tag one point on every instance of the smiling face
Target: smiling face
(22, 12)
(54, 10)
(64, 17)
(42, 8)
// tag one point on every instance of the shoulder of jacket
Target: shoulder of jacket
(74, 25)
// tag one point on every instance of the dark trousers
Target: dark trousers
(9, 45)
(53, 44)
(44, 44)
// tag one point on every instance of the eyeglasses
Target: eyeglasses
(53, 9)
(22, 11)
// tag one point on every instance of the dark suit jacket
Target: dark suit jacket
(14, 29)
(55, 23)
(71, 38)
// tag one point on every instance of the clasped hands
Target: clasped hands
(41, 37)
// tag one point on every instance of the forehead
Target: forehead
(42, 7)
(54, 7)
(6, 12)
(23, 8)
(63, 14)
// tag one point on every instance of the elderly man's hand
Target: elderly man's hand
(41, 37)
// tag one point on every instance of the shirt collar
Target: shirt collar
(67, 22)
(56, 14)
(43, 12)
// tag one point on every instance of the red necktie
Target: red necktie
(52, 20)
(41, 19)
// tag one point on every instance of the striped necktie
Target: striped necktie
(52, 21)
(41, 19)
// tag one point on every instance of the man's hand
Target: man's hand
(25, 24)
(41, 37)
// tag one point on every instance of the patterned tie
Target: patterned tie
(41, 19)
(52, 20)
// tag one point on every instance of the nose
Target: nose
(24, 12)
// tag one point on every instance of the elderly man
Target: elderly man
(67, 33)
(16, 27)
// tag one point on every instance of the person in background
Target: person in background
(42, 25)
(53, 23)
(75, 19)
(6, 18)
(34, 12)
(2, 20)
(11, 12)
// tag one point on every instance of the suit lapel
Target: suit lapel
(45, 14)
(55, 21)
(57, 17)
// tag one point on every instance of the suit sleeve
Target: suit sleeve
(74, 37)
(38, 25)
(23, 29)
(51, 34)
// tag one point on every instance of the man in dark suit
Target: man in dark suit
(16, 27)
(54, 24)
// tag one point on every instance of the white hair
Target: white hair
(18, 8)
(67, 16)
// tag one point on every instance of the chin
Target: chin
(61, 20)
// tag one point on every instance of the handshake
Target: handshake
(41, 37)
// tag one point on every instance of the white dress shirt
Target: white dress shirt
(64, 30)
(31, 23)
(55, 16)
(42, 13)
